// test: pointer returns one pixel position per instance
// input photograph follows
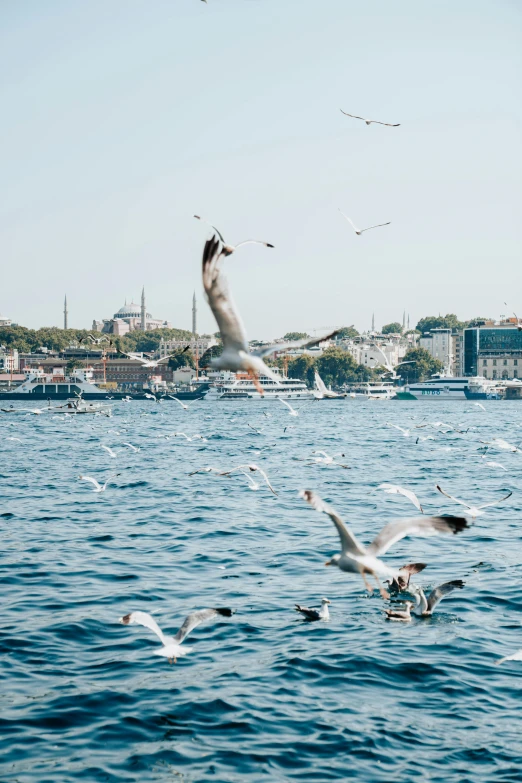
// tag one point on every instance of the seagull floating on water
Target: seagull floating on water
(172, 649)
(315, 614)
(360, 231)
(370, 122)
(424, 607)
(473, 511)
(358, 559)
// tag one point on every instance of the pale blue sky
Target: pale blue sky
(122, 118)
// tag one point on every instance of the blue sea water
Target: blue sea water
(265, 695)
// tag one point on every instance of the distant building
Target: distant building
(129, 318)
(494, 352)
(439, 344)
(4, 321)
(8, 361)
(201, 344)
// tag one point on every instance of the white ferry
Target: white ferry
(55, 385)
(448, 387)
(372, 391)
(241, 387)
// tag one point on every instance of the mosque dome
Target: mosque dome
(131, 310)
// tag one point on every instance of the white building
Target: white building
(5, 321)
(9, 361)
(201, 344)
(365, 352)
(439, 345)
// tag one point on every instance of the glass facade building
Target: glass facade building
(496, 347)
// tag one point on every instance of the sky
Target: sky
(123, 119)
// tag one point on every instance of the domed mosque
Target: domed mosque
(129, 318)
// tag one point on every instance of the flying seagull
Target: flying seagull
(360, 231)
(401, 582)
(369, 122)
(393, 489)
(358, 559)
(292, 411)
(236, 355)
(253, 469)
(473, 511)
(315, 614)
(517, 656)
(172, 644)
(97, 486)
(229, 249)
(185, 407)
(424, 606)
(109, 451)
(148, 362)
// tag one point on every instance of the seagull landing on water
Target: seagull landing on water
(315, 614)
(172, 649)
(402, 581)
(424, 607)
(360, 231)
(358, 559)
(370, 122)
(393, 489)
(236, 355)
(229, 249)
(97, 486)
(473, 511)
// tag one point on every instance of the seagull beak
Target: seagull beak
(328, 562)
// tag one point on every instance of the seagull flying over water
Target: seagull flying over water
(406, 433)
(172, 649)
(292, 411)
(358, 559)
(185, 407)
(315, 614)
(370, 122)
(236, 355)
(109, 451)
(473, 511)
(229, 249)
(97, 486)
(517, 656)
(253, 469)
(393, 489)
(360, 231)
(133, 448)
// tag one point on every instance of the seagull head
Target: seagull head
(334, 561)
(325, 601)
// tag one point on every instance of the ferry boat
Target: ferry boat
(55, 385)
(372, 391)
(321, 392)
(241, 387)
(448, 387)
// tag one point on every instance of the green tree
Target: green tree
(302, 368)
(210, 353)
(423, 365)
(347, 333)
(295, 336)
(337, 367)
(449, 321)
(72, 365)
(181, 359)
(393, 328)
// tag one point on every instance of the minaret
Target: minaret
(404, 320)
(65, 314)
(194, 316)
(143, 311)
(408, 322)
(373, 322)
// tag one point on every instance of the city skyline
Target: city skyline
(107, 164)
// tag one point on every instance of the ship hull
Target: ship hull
(7, 396)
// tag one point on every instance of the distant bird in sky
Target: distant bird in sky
(360, 231)
(97, 486)
(369, 122)
(315, 614)
(473, 511)
(358, 559)
(171, 648)
(229, 249)
(393, 489)
(236, 354)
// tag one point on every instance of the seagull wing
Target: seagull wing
(142, 618)
(270, 487)
(349, 543)
(378, 225)
(515, 657)
(495, 502)
(307, 342)
(392, 489)
(355, 117)
(311, 614)
(439, 592)
(285, 403)
(175, 398)
(389, 124)
(220, 300)
(218, 232)
(196, 618)
(346, 216)
(418, 526)
(460, 502)
(91, 480)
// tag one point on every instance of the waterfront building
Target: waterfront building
(9, 361)
(438, 342)
(194, 317)
(493, 351)
(129, 318)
